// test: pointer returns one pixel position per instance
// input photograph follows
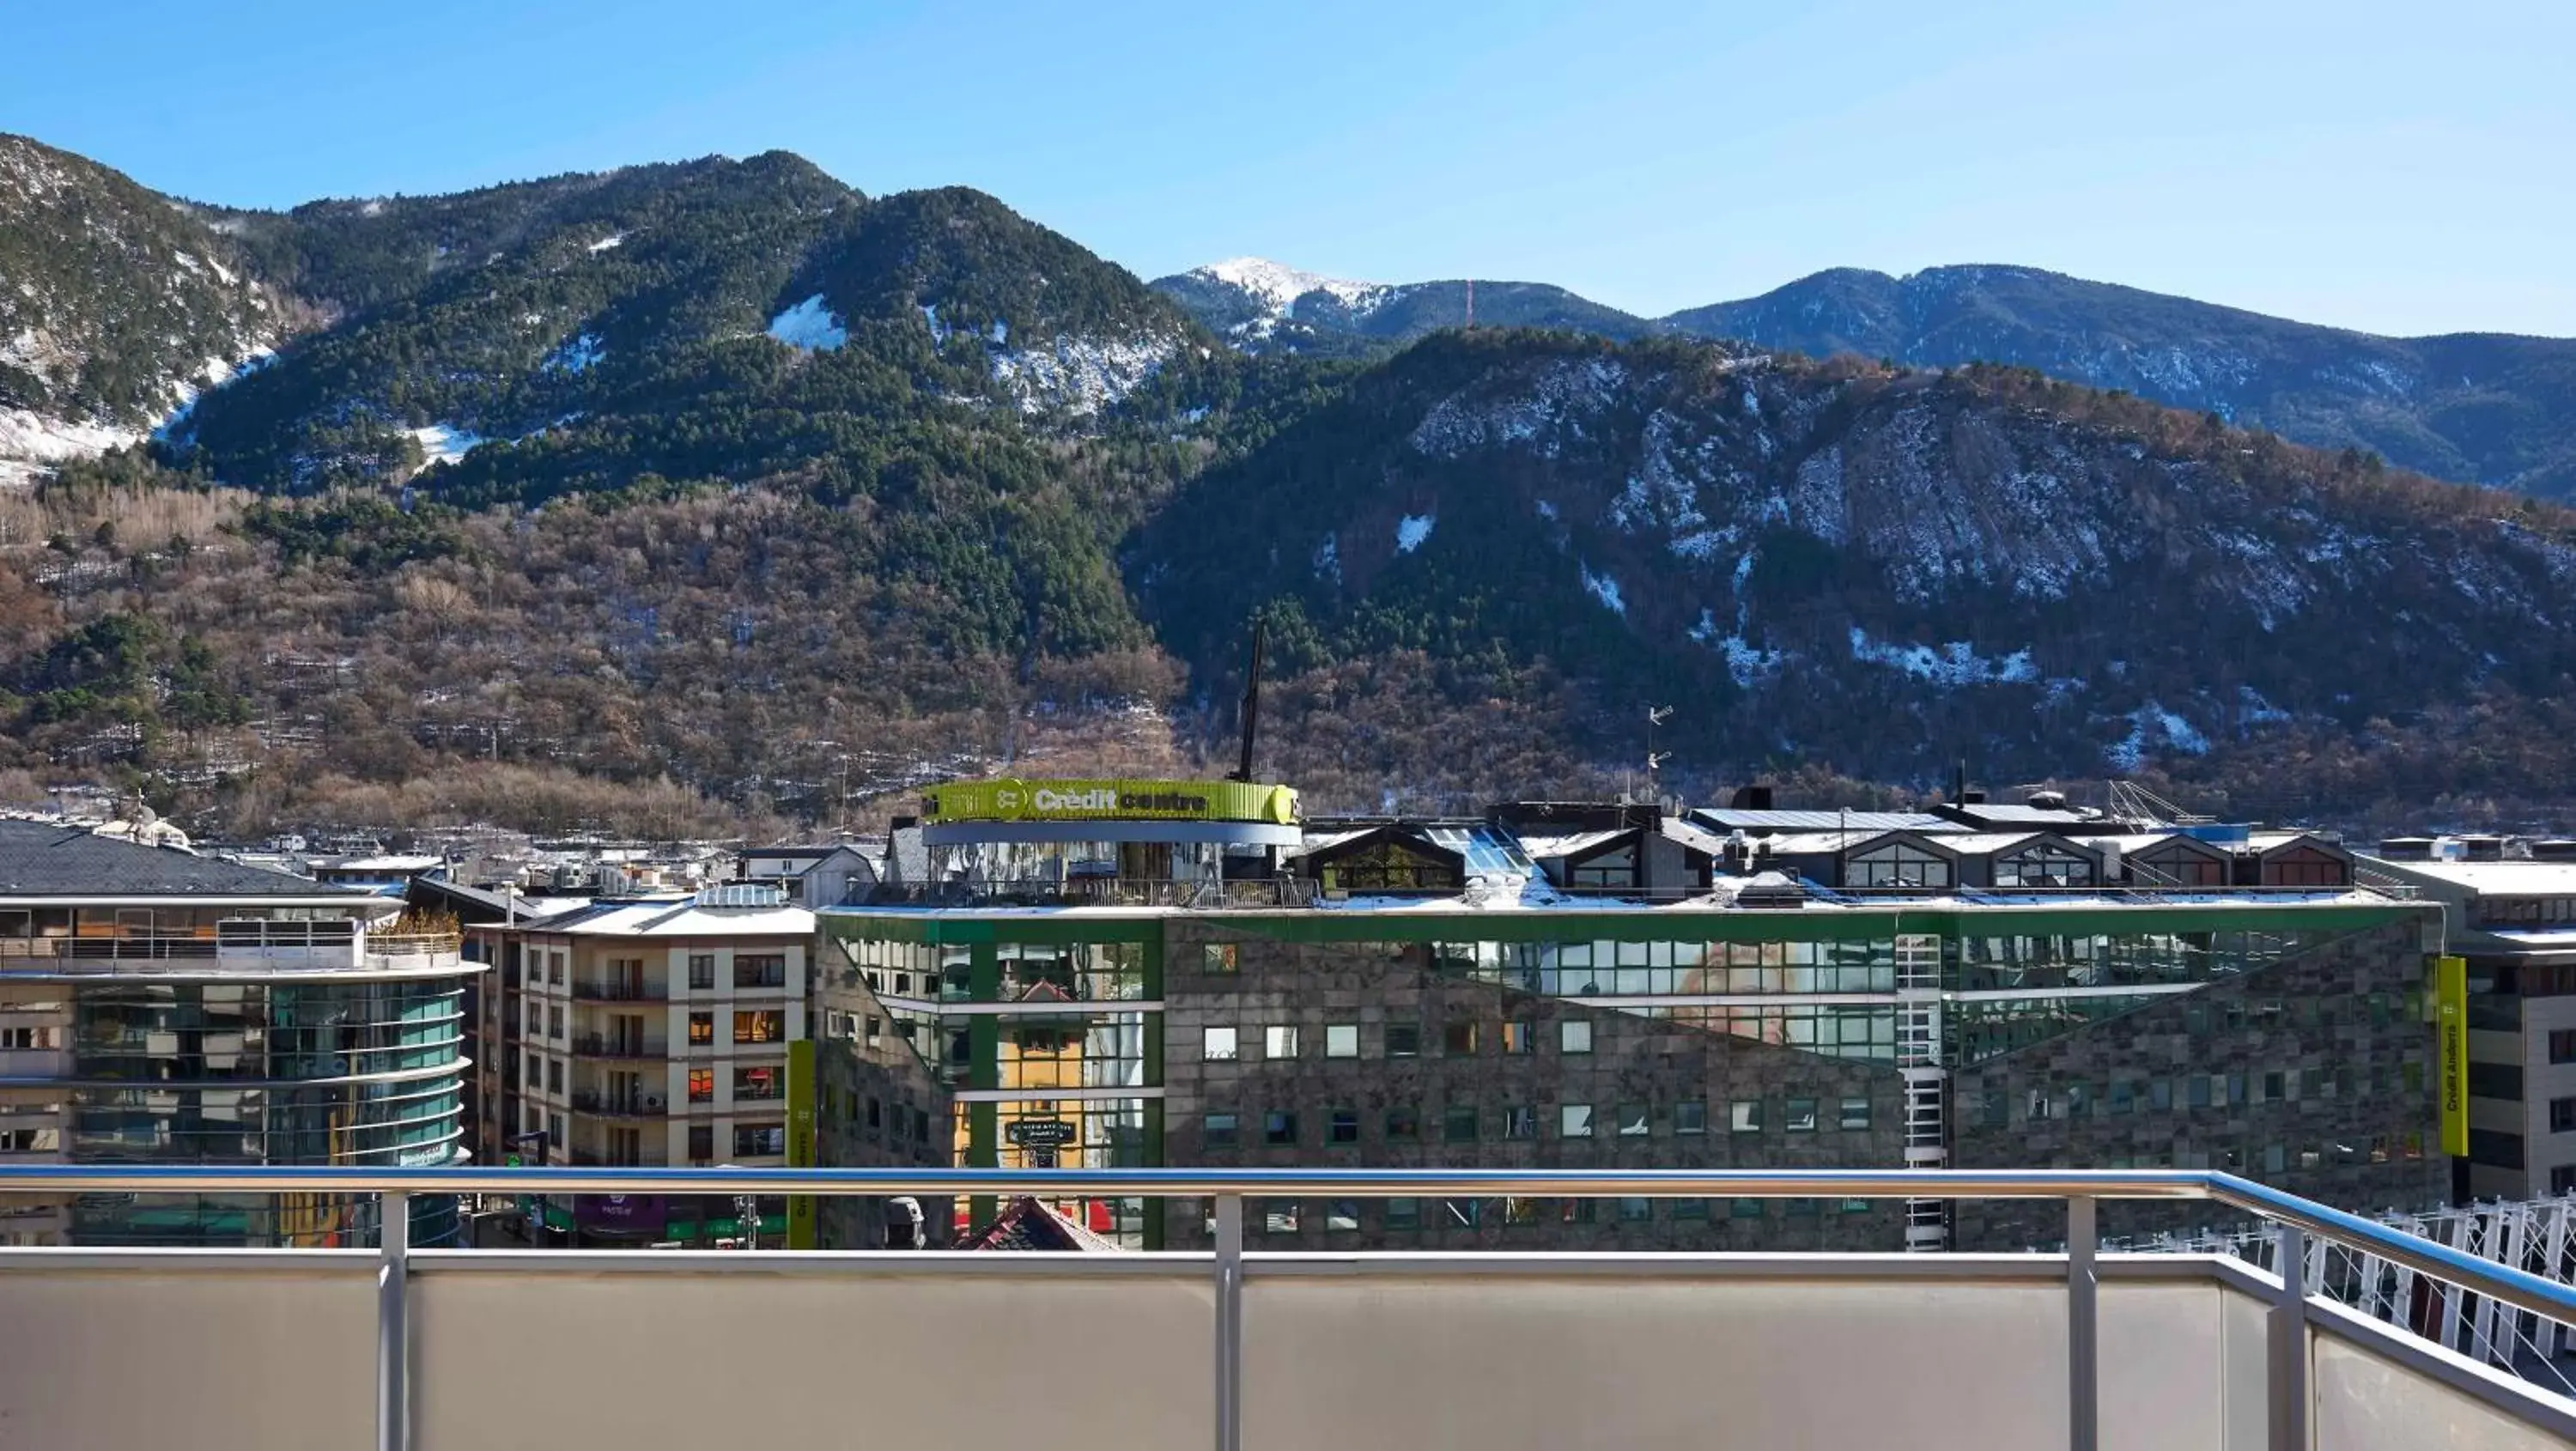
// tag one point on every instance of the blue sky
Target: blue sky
(2402, 168)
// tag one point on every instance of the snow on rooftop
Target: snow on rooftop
(809, 325)
(1411, 530)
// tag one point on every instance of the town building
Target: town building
(813, 876)
(2512, 919)
(1186, 973)
(159, 1007)
(646, 1031)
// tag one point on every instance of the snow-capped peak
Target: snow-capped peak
(1279, 286)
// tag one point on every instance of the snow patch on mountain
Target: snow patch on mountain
(810, 326)
(1746, 662)
(606, 243)
(1410, 531)
(1277, 286)
(1954, 664)
(32, 444)
(444, 443)
(1542, 413)
(1605, 589)
(2151, 725)
(1081, 375)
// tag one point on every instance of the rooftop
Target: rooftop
(63, 862)
(674, 916)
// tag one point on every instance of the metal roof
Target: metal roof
(1728, 818)
(49, 859)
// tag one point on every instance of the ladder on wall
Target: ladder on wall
(1918, 1063)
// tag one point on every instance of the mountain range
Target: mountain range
(660, 496)
(2476, 407)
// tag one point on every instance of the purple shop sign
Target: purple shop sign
(630, 1213)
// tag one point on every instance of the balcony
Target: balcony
(241, 944)
(591, 1045)
(621, 1105)
(272, 1349)
(619, 992)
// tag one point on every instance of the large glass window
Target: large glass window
(2044, 865)
(1896, 864)
(761, 1025)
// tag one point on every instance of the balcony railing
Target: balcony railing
(621, 1105)
(248, 943)
(619, 992)
(591, 1045)
(1086, 892)
(1228, 1348)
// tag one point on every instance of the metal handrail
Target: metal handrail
(2486, 1277)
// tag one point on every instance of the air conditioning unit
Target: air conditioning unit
(652, 1103)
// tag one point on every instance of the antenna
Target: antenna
(1655, 715)
(1251, 701)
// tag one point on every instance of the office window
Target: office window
(1404, 1040)
(762, 1082)
(760, 1025)
(1458, 1039)
(1574, 1035)
(760, 969)
(2562, 1115)
(702, 1143)
(1279, 1127)
(1343, 1127)
(702, 1085)
(1855, 1113)
(1635, 1120)
(702, 970)
(753, 1140)
(1279, 1041)
(1219, 1131)
(1690, 1117)
(1404, 1214)
(1342, 1040)
(1403, 1124)
(1342, 1216)
(1458, 1123)
(1574, 1121)
(1744, 1116)
(1217, 957)
(702, 1029)
(1520, 1123)
(1798, 1116)
(1520, 1036)
(1217, 1044)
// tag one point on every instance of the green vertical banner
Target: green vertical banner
(800, 1139)
(2451, 1020)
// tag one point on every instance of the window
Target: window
(875, 1029)
(1744, 1116)
(1690, 1117)
(1404, 1214)
(1342, 1216)
(2160, 1095)
(1855, 1114)
(2196, 1090)
(1279, 1127)
(1635, 1120)
(1574, 1121)
(1574, 1035)
(1404, 1040)
(1458, 1123)
(1897, 864)
(1799, 1116)
(555, 1024)
(1461, 1213)
(1520, 1036)
(1458, 1040)
(536, 1072)
(762, 1025)
(1576, 1211)
(2562, 1045)
(1635, 1209)
(760, 969)
(1520, 1123)
(554, 1075)
(1693, 1208)
(754, 1140)
(702, 1143)
(1219, 1131)
(30, 1141)
(555, 962)
(1403, 1125)
(26, 1038)
(702, 1028)
(2562, 1179)
(1217, 957)
(2044, 865)
(763, 1082)
(1746, 1208)
(2562, 1115)
(1343, 1127)
(1217, 1045)
(702, 970)
(555, 1136)
(1279, 1041)
(1342, 1040)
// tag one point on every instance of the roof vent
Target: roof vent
(741, 894)
(2406, 848)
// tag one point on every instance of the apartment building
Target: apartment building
(652, 1031)
(1183, 973)
(158, 1007)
